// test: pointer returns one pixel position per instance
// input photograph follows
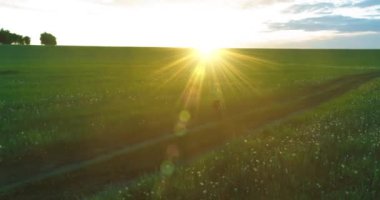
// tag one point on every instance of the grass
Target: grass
(63, 105)
(331, 153)
(65, 93)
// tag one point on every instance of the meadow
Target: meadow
(295, 124)
(331, 152)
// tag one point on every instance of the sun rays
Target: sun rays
(210, 74)
(221, 69)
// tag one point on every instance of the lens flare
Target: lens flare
(210, 75)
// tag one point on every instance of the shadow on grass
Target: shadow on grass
(8, 72)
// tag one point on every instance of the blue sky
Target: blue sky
(221, 23)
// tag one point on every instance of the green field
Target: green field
(102, 123)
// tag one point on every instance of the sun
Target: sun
(207, 53)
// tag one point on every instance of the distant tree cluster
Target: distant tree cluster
(7, 37)
(48, 39)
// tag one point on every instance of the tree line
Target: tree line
(7, 37)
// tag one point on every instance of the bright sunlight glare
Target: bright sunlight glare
(207, 53)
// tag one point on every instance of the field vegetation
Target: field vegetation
(327, 153)
(294, 123)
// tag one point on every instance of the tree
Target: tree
(48, 39)
(26, 40)
(16, 39)
(7, 37)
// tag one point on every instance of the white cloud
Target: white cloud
(169, 22)
(372, 12)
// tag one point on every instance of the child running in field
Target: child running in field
(217, 103)
(217, 106)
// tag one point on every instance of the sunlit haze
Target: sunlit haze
(207, 52)
(182, 23)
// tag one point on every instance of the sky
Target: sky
(192, 23)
